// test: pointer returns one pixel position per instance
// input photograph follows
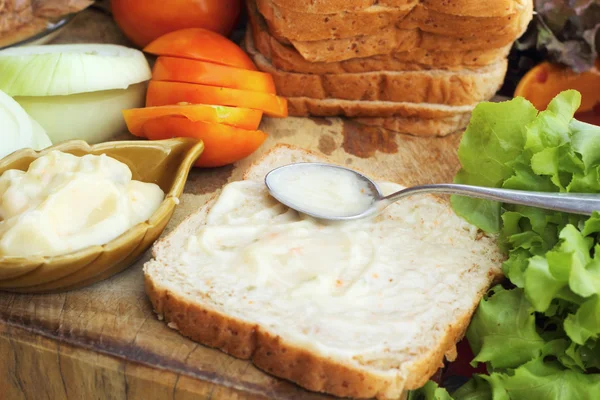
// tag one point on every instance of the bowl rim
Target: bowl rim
(170, 201)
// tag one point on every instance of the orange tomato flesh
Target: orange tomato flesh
(206, 73)
(238, 117)
(168, 93)
(201, 44)
(542, 83)
(223, 144)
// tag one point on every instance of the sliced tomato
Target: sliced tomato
(168, 93)
(206, 73)
(200, 44)
(223, 144)
(244, 118)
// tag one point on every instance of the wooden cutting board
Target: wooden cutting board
(104, 342)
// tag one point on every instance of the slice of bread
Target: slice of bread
(418, 126)
(305, 107)
(467, 8)
(372, 314)
(287, 58)
(462, 87)
(300, 26)
(395, 40)
(392, 40)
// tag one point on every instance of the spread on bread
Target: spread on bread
(64, 203)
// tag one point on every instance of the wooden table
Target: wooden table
(104, 342)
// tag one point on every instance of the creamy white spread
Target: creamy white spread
(64, 203)
(355, 288)
(321, 190)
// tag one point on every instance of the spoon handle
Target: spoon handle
(574, 203)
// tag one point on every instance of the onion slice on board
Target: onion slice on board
(53, 70)
(18, 129)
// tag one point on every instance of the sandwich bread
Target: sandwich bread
(393, 39)
(286, 58)
(293, 25)
(360, 309)
(462, 87)
(467, 8)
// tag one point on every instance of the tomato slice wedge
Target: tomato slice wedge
(223, 144)
(245, 118)
(206, 73)
(168, 93)
(201, 44)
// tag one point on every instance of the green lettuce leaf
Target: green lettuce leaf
(476, 389)
(495, 137)
(503, 330)
(431, 391)
(540, 339)
(539, 379)
(585, 323)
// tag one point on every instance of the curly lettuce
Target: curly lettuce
(539, 334)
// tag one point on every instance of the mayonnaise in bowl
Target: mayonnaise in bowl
(64, 203)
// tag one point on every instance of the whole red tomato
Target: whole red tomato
(145, 20)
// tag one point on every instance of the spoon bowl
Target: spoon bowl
(283, 184)
(334, 193)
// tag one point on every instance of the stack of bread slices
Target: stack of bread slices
(412, 66)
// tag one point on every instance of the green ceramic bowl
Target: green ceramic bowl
(164, 162)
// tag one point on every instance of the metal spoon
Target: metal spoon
(574, 203)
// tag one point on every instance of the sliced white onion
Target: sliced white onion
(39, 138)
(94, 117)
(17, 129)
(53, 70)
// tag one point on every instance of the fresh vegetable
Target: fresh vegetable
(204, 86)
(568, 32)
(562, 33)
(203, 45)
(19, 130)
(546, 80)
(205, 73)
(222, 144)
(145, 20)
(56, 70)
(237, 117)
(76, 91)
(94, 117)
(539, 333)
(168, 93)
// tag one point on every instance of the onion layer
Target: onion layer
(18, 130)
(54, 70)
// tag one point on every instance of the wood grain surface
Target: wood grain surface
(104, 342)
